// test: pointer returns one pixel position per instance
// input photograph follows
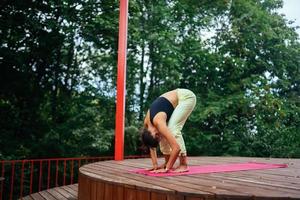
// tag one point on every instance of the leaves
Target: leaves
(59, 62)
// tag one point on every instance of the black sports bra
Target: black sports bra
(161, 104)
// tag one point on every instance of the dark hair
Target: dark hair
(148, 139)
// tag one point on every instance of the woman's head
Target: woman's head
(149, 139)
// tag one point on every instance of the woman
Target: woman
(163, 124)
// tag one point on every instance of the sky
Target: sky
(291, 10)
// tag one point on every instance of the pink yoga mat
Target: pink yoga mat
(202, 169)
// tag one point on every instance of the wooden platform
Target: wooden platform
(110, 180)
(68, 192)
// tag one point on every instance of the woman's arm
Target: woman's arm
(153, 156)
(146, 119)
(165, 132)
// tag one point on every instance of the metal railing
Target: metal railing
(24, 177)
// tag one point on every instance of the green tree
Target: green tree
(59, 62)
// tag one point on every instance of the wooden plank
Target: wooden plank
(251, 189)
(74, 187)
(28, 197)
(71, 191)
(93, 192)
(143, 195)
(253, 175)
(176, 197)
(100, 190)
(271, 183)
(47, 195)
(108, 191)
(84, 187)
(37, 196)
(64, 193)
(118, 192)
(56, 195)
(209, 186)
(257, 182)
(193, 198)
(293, 164)
(158, 196)
(130, 194)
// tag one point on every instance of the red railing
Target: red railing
(24, 177)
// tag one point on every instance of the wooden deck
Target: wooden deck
(110, 180)
(68, 192)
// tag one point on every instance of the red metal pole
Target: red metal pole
(56, 174)
(2, 174)
(72, 171)
(22, 179)
(65, 166)
(121, 81)
(12, 180)
(31, 177)
(49, 168)
(41, 175)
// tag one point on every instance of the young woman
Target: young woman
(163, 124)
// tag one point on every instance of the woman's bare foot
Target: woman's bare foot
(181, 168)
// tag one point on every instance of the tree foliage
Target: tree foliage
(58, 75)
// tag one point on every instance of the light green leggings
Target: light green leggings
(186, 104)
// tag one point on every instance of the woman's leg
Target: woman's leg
(183, 160)
(186, 104)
